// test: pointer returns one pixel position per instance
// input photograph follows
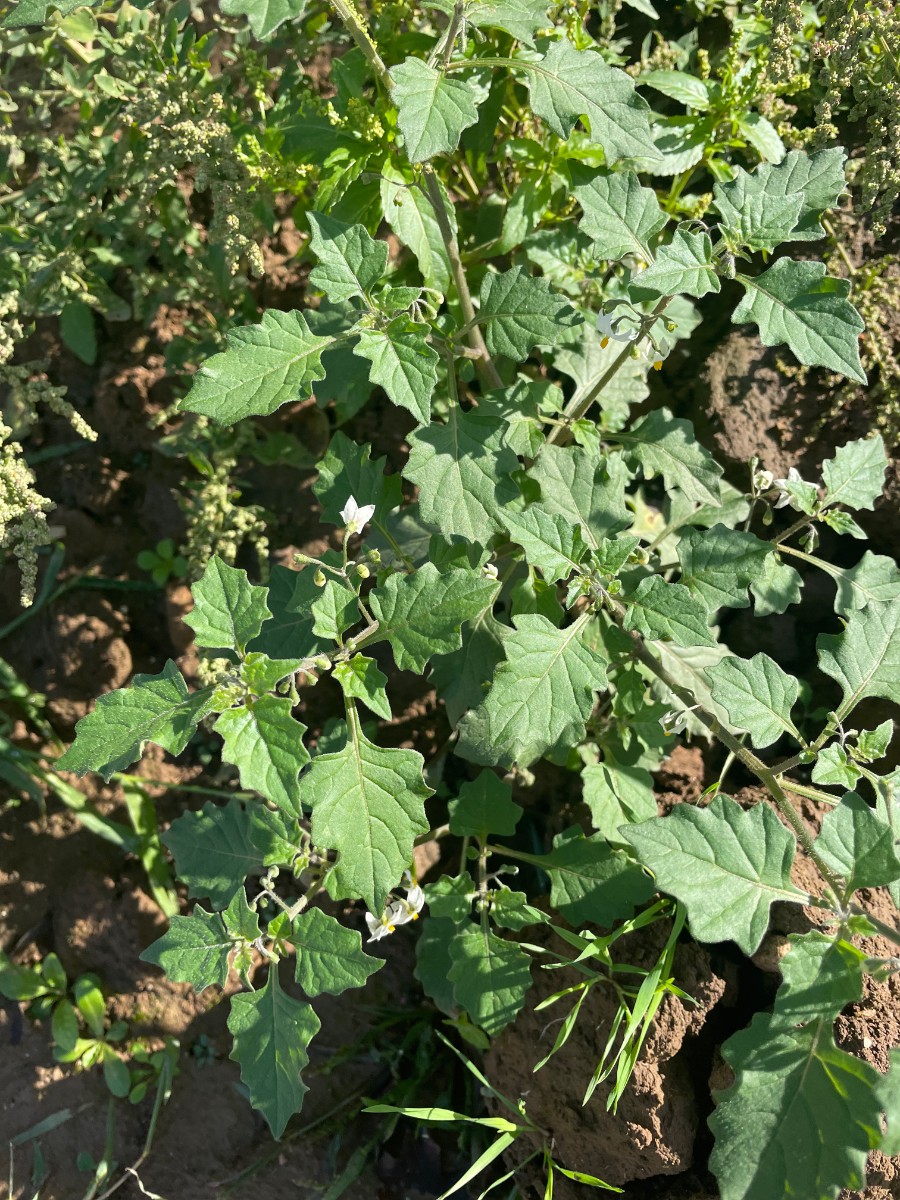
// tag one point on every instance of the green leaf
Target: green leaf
(334, 610)
(241, 921)
(262, 674)
(34, 12)
(590, 881)
(265, 743)
(511, 910)
(665, 445)
(683, 267)
(351, 262)
(450, 897)
(757, 695)
(156, 708)
(271, 1032)
(720, 565)
(865, 658)
(421, 614)
(858, 845)
(432, 111)
(265, 16)
(617, 795)
(752, 217)
(580, 489)
(228, 611)
(776, 588)
(775, 1127)
(490, 978)
(873, 744)
(834, 766)
(519, 18)
(409, 213)
(796, 303)
(551, 543)
(725, 864)
(347, 470)
(368, 803)
(822, 975)
(433, 962)
(216, 848)
(678, 85)
(762, 136)
(461, 678)
(889, 1094)
(567, 84)
(262, 367)
(540, 698)
(658, 609)
(361, 679)
(855, 476)
(875, 579)
(818, 178)
(484, 805)
(403, 364)
(462, 471)
(330, 957)
(520, 311)
(288, 632)
(620, 216)
(193, 950)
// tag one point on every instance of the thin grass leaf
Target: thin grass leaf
(503, 1142)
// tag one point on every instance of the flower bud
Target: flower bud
(362, 570)
(319, 578)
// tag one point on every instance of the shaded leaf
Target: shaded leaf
(271, 1032)
(490, 978)
(540, 698)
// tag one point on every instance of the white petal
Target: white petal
(364, 514)
(415, 898)
(373, 923)
(349, 511)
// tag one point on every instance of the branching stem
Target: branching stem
(578, 405)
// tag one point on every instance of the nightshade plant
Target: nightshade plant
(555, 617)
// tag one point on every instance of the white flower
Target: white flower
(609, 327)
(398, 912)
(793, 476)
(763, 481)
(676, 720)
(354, 516)
(658, 354)
(380, 927)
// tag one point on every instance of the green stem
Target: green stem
(764, 773)
(359, 31)
(578, 405)
(484, 364)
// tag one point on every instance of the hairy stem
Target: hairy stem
(577, 407)
(484, 364)
(764, 773)
(359, 31)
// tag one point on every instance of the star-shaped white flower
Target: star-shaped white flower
(610, 328)
(355, 516)
(397, 912)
